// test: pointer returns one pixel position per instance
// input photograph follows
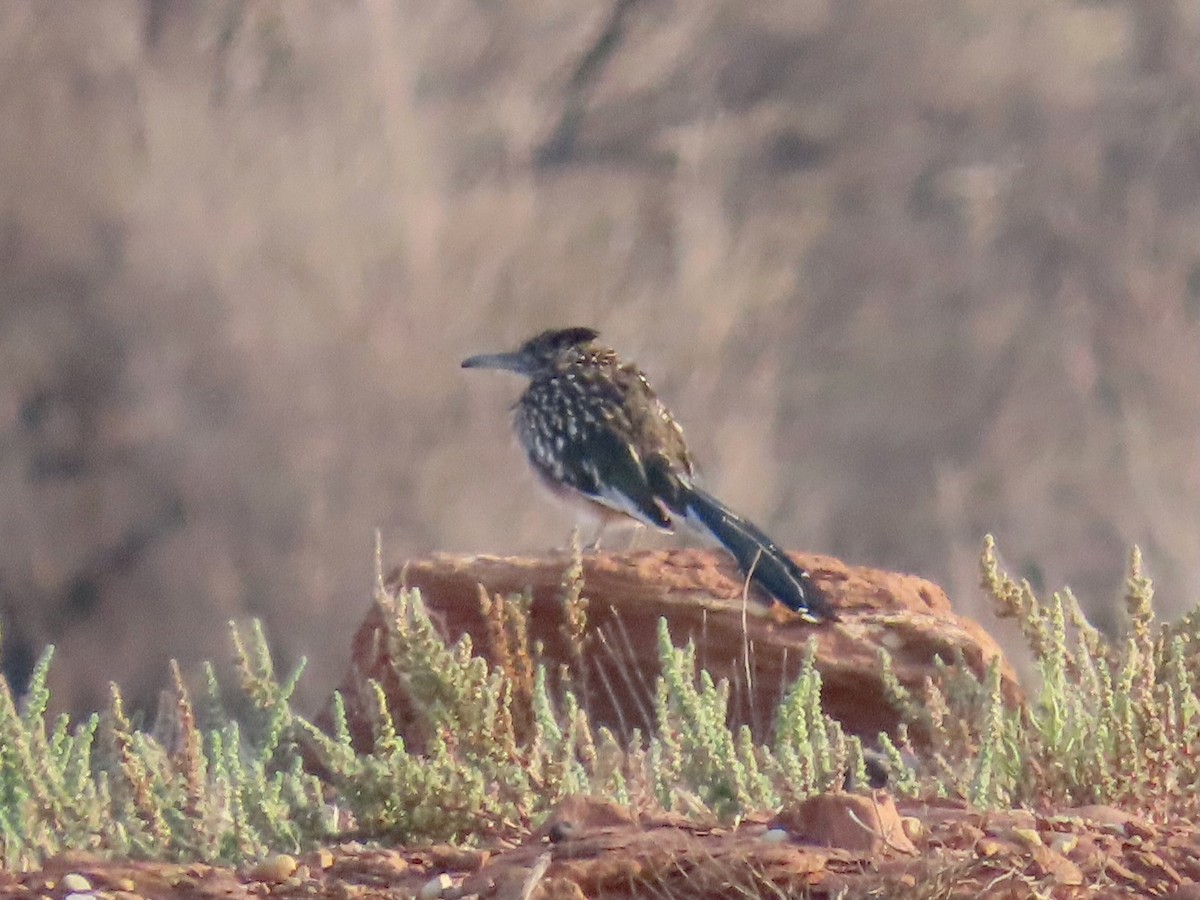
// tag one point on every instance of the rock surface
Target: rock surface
(701, 596)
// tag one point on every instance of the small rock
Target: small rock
(454, 859)
(776, 836)
(1058, 867)
(1140, 828)
(435, 887)
(582, 811)
(323, 860)
(559, 889)
(73, 881)
(912, 827)
(274, 869)
(1116, 821)
(80, 895)
(860, 824)
(1064, 843)
(988, 847)
(1028, 836)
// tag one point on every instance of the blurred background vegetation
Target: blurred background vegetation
(907, 270)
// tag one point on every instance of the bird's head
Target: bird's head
(541, 354)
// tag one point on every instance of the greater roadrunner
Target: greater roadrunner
(594, 429)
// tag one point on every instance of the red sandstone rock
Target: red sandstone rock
(701, 595)
(581, 812)
(856, 823)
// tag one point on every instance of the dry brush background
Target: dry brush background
(907, 270)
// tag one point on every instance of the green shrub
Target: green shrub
(1107, 722)
(492, 747)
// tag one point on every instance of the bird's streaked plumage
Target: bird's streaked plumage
(592, 426)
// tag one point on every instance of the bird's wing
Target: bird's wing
(607, 468)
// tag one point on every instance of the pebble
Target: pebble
(988, 847)
(1065, 843)
(776, 836)
(912, 826)
(435, 887)
(74, 882)
(1028, 836)
(274, 869)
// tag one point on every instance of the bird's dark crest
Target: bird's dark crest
(555, 340)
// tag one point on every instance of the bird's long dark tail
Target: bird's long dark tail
(759, 558)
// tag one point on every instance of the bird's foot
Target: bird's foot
(785, 615)
(781, 615)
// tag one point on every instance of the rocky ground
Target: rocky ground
(591, 849)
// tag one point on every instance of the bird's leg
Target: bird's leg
(629, 529)
(635, 532)
(593, 545)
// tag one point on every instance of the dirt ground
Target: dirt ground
(590, 850)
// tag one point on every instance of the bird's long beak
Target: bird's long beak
(513, 362)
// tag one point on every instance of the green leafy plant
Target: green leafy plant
(208, 792)
(1107, 722)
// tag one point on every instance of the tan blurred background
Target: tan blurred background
(908, 271)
